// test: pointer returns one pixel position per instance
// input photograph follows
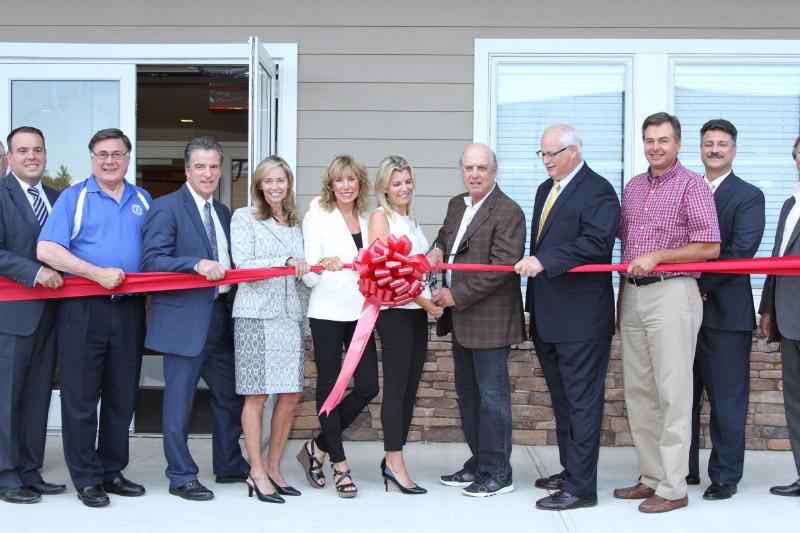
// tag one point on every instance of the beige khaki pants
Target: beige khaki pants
(658, 327)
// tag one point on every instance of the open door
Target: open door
(262, 108)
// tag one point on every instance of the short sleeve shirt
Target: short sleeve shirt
(666, 211)
(110, 233)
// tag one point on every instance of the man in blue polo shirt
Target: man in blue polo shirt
(95, 231)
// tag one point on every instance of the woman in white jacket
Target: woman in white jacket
(269, 321)
(334, 229)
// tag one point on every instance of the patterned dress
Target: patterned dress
(270, 322)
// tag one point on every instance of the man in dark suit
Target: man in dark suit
(484, 316)
(27, 334)
(780, 321)
(188, 231)
(722, 357)
(574, 222)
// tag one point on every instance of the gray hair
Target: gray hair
(567, 136)
(201, 143)
(494, 156)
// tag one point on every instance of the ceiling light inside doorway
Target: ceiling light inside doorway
(187, 121)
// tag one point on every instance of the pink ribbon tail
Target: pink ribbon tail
(362, 334)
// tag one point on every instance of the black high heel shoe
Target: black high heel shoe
(388, 476)
(269, 498)
(288, 490)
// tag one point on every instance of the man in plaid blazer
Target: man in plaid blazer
(484, 316)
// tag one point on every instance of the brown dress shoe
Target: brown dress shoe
(657, 504)
(639, 491)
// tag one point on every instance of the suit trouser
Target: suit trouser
(26, 378)
(484, 401)
(215, 364)
(575, 373)
(722, 368)
(100, 344)
(329, 338)
(658, 326)
(790, 359)
(404, 344)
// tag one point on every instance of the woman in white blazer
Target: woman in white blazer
(334, 229)
(269, 321)
(403, 330)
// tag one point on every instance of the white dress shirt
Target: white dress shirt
(469, 214)
(714, 185)
(791, 220)
(222, 241)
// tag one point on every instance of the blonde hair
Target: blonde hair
(263, 209)
(339, 166)
(387, 167)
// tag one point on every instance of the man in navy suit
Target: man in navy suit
(188, 231)
(574, 222)
(722, 357)
(27, 334)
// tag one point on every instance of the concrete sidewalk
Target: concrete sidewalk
(443, 509)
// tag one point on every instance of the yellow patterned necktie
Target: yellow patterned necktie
(551, 199)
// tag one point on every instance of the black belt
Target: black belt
(649, 280)
(223, 297)
(125, 296)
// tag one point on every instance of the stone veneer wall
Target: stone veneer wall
(436, 415)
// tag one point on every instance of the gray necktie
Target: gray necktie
(208, 222)
(39, 209)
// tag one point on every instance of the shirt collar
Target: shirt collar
(667, 174)
(797, 191)
(199, 200)
(468, 198)
(717, 182)
(566, 179)
(24, 185)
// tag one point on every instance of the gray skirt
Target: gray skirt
(269, 355)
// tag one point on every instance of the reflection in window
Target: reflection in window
(68, 112)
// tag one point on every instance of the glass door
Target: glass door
(262, 116)
(69, 103)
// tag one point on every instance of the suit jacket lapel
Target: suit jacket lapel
(793, 237)
(787, 206)
(18, 196)
(723, 193)
(563, 196)
(194, 215)
(481, 216)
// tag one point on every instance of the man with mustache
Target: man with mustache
(722, 357)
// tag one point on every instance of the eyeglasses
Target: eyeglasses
(550, 155)
(116, 156)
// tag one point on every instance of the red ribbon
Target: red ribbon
(387, 277)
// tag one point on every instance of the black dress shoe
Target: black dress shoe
(719, 491)
(46, 489)
(787, 490)
(19, 495)
(122, 486)
(241, 477)
(93, 496)
(563, 501)
(194, 490)
(554, 482)
(692, 480)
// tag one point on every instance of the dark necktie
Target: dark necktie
(208, 222)
(39, 209)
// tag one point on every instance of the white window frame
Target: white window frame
(651, 84)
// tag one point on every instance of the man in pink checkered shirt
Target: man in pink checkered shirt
(668, 216)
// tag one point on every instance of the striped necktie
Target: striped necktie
(208, 222)
(39, 209)
(551, 199)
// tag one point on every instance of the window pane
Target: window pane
(68, 113)
(532, 96)
(763, 102)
